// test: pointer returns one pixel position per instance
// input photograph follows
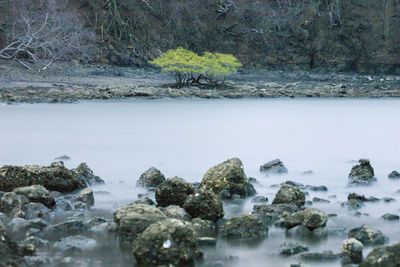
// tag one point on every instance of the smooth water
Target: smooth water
(121, 139)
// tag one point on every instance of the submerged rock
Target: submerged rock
(228, 175)
(318, 188)
(173, 191)
(291, 248)
(73, 245)
(325, 256)
(353, 249)
(170, 242)
(363, 173)
(204, 204)
(310, 217)
(362, 197)
(86, 174)
(10, 255)
(368, 236)
(36, 193)
(64, 229)
(151, 178)
(289, 194)
(274, 167)
(245, 227)
(36, 210)
(394, 175)
(384, 256)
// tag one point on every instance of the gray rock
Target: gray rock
(169, 242)
(36, 210)
(383, 256)
(151, 178)
(177, 212)
(104, 228)
(318, 188)
(291, 248)
(63, 205)
(394, 175)
(289, 194)
(86, 196)
(353, 248)
(320, 200)
(95, 221)
(269, 214)
(203, 228)
(274, 167)
(309, 172)
(388, 199)
(325, 256)
(86, 174)
(310, 217)
(75, 245)
(245, 227)
(10, 255)
(13, 203)
(363, 173)
(368, 236)
(224, 194)
(19, 226)
(39, 261)
(63, 229)
(352, 204)
(146, 200)
(37, 242)
(259, 199)
(204, 204)
(228, 175)
(36, 193)
(362, 198)
(390, 217)
(173, 191)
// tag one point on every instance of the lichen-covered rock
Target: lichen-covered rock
(86, 174)
(13, 203)
(353, 249)
(173, 191)
(289, 194)
(274, 167)
(246, 227)
(269, 214)
(368, 236)
(384, 256)
(169, 242)
(177, 212)
(291, 248)
(310, 217)
(86, 196)
(133, 219)
(363, 173)
(394, 175)
(54, 177)
(204, 204)
(37, 193)
(151, 178)
(228, 175)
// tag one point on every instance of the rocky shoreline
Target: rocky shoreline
(66, 82)
(47, 219)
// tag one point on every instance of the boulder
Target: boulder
(363, 173)
(289, 194)
(353, 249)
(203, 228)
(173, 191)
(151, 178)
(177, 212)
(290, 248)
(245, 227)
(228, 175)
(368, 236)
(64, 229)
(86, 174)
(274, 167)
(310, 217)
(86, 196)
(36, 193)
(169, 242)
(269, 214)
(383, 256)
(12, 202)
(54, 177)
(133, 219)
(36, 210)
(394, 175)
(204, 204)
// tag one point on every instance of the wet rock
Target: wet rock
(203, 228)
(86, 174)
(12, 202)
(104, 228)
(228, 175)
(206, 242)
(291, 248)
(362, 198)
(303, 233)
(259, 199)
(289, 194)
(309, 172)
(388, 199)
(253, 180)
(146, 200)
(133, 219)
(204, 204)
(245, 227)
(353, 248)
(19, 226)
(10, 255)
(151, 178)
(383, 256)
(352, 204)
(293, 183)
(269, 214)
(169, 242)
(75, 245)
(63, 205)
(320, 200)
(318, 188)
(177, 212)
(310, 217)
(36, 210)
(62, 158)
(363, 173)
(173, 191)
(86, 196)
(63, 229)
(224, 194)
(325, 256)
(390, 217)
(37, 242)
(39, 261)
(394, 175)
(274, 167)
(368, 236)
(36, 193)
(54, 177)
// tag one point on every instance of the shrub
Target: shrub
(189, 67)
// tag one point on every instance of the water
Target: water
(121, 139)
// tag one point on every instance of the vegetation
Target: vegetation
(188, 67)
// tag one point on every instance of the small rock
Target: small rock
(320, 188)
(363, 173)
(151, 178)
(288, 194)
(63, 229)
(13, 202)
(320, 200)
(274, 167)
(383, 256)
(269, 214)
(325, 256)
(390, 217)
(291, 248)
(207, 242)
(368, 236)
(353, 248)
(388, 199)
(394, 175)
(173, 191)
(36, 193)
(260, 199)
(204, 204)
(310, 217)
(362, 198)
(86, 196)
(36, 210)
(309, 172)
(353, 204)
(246, 227)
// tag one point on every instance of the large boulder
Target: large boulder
(310, 217)
(166, 243)
(54, 177)
(133, 219)
(274, 167)
(86, 174)
(151, 178)
(368, 236)
(228, 175)
(353, 249)
(204, 204)
(384, 256)
(245, 227)
(363, 173)
(173, 191)
(289, 194)
(36, 193)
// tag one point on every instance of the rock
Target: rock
(37, 242)
(259, 199)
(224, 194)
(383, 256)
(368, 236)
(320, 200)
(325, 256)
(291, 248)
(390, 217)
(86, 174)
(362, 198)
(63, 229)
(288, 194)
(309, 172)
(169, 242)
(228, 175)
(36, 210)
(394, 175)
(274, 167)
(133, 219)
(353, 248)
(19, 226)
(36, 193)
(39, 261)
(151, 178)
(54, 177)
(245, 227)
(206, 242)
(86, 196)
(310, 217)
(297, 184)
(319, 188)
(73, 245)
(146, 200)
(177, 212)
(104, 228)
(362, 174)
(388, 199)
(173, 191)
(204, 204)
(203, 228)
(62, 158)
(352, 204)
(12, 202)
(10, 255)
(63, 205)
(269, 214)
